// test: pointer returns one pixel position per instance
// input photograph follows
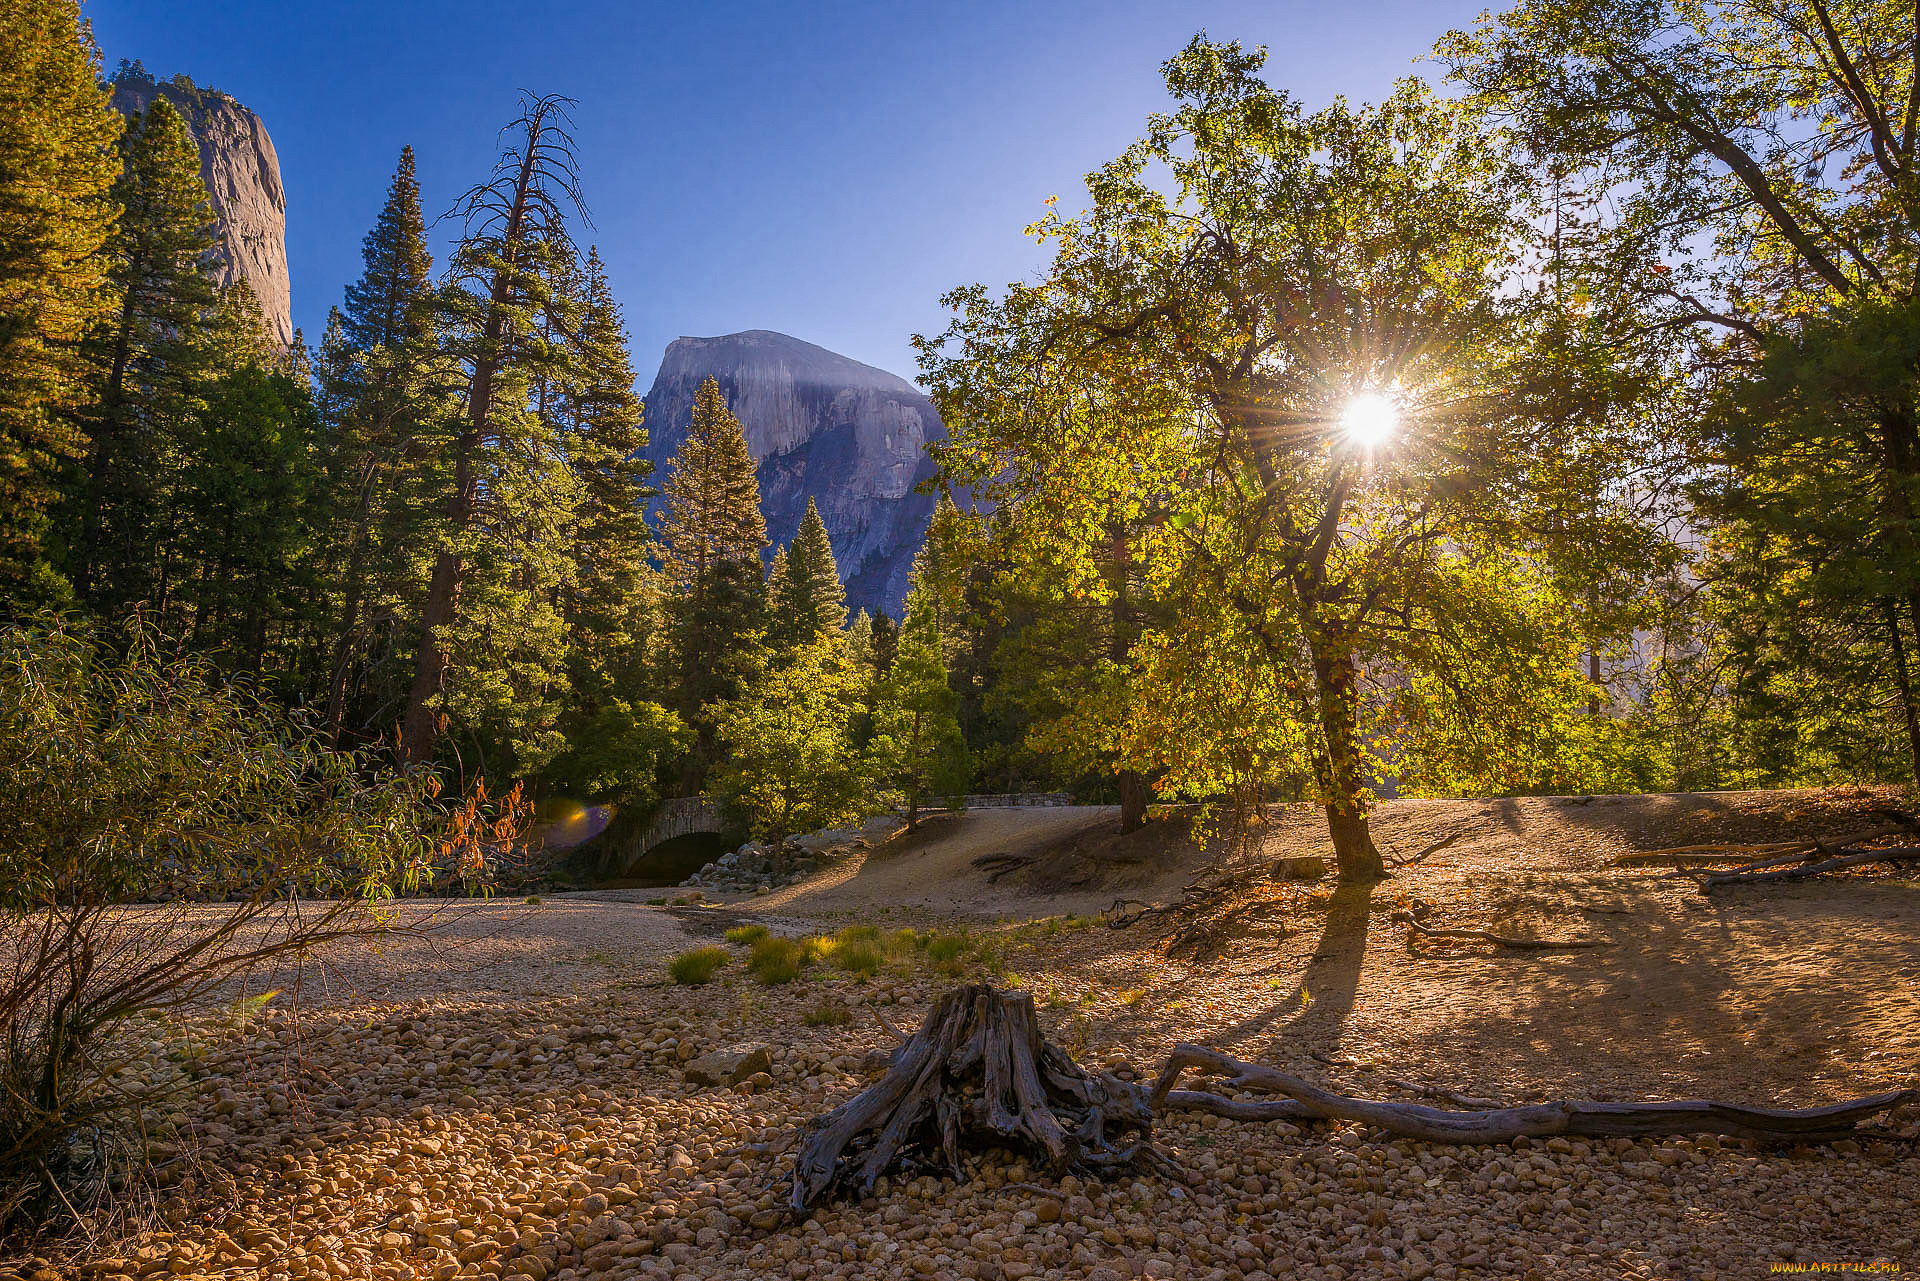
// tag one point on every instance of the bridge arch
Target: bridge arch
(671, 820)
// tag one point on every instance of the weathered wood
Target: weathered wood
(1571, 1117)
(1423, 855)
(977, 1074)
(1855, 858)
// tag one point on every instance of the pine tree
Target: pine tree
(712, 539)
(146, 359)
(817, 598)
(242, 509)
(509, 490)
(916, 745)
(610, 611)
(57, 167)
(783, 624)
(886, 642)
(378, 366)
(860, 642)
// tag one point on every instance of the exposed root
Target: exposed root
(998, 865)
(887, 1026)
(1539, 1120)
(1417, 927)
(977, 1074)
(1205, 941)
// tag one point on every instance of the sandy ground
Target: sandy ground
(453, 1103)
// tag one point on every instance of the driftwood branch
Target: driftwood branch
(979, 1074)
(1853, 858)
(1765, 854)
(1423, 855)
(1572, 1117)
(1415, 925)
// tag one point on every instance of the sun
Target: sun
(1370, 420)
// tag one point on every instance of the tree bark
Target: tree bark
(1538, 1120)
(1903, 675)
(1345, 779)
(1133, 800)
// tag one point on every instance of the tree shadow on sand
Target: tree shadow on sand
(1316, 1010)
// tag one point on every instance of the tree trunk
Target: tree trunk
(1903, 674)
(1120, 635)
(1345, 776)
(349, 614)
(1133, 800)
(421, 725)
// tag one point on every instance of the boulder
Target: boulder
(730, 1064)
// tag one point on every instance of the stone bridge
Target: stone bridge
(676, 817)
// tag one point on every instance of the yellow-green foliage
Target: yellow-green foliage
(945, 949)
(864, 959)
(698, 965)
(777, 960)
(746, 933)
(829, 1014)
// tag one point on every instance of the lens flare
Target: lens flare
(1370, 420)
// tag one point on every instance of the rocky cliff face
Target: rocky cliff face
(242, 174)
(824, 427)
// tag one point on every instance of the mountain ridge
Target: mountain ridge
(821, 426)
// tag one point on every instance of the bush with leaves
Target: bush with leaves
(790, 764)
(130, 776)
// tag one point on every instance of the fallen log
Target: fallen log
(1411, 919)
(1895, 854)
(1585, 1118)
(978, 1074)
(1767, 854)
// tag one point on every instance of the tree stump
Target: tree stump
(978, 1074)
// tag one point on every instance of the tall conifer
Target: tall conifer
(819, 599)
(712, 541)
(605, 440)
(377, 367)
(502, 459)
(146, 356)
(57, 167)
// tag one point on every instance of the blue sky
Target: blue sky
(824, 169)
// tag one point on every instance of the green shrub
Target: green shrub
(945, 948)
(777, 960)
(858, 934)
(863, 959)
(829, 1014)
(135, 776)
(746, 933)
(698, 965)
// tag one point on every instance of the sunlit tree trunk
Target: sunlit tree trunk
(1345, 775)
